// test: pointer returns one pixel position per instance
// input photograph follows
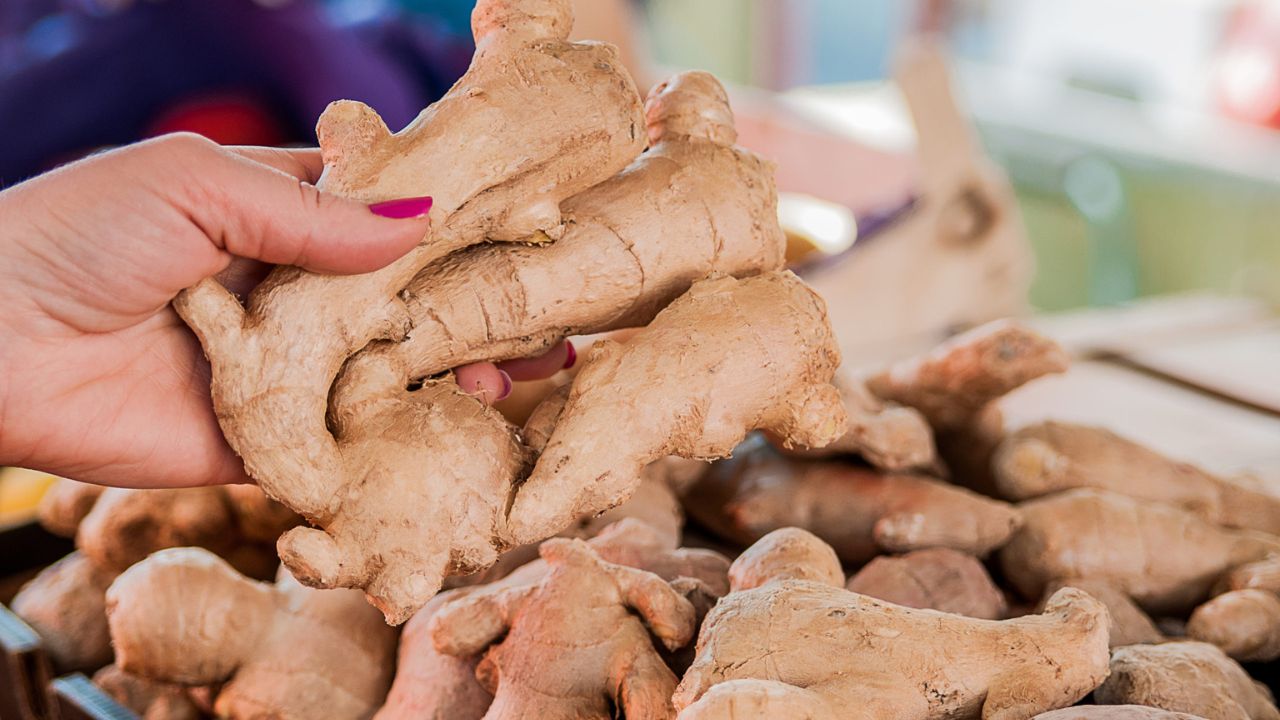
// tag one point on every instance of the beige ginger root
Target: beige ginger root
(693, 205)
(1261, 575)
(939, 579)
(65, 504)
(613, 664)
(1244, 623)
(1189, 677)
(1052, 456)
(1164, 558)
(710, 368)
(888, 436)
(1129, 624)
(151, 700)
(838, 654)
(536, 119)
(66, 605)
(1114, 712)
(859, 511)
(184, 616)
(125, 525)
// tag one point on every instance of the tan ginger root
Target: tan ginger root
(612, 663)
(1189, 677)
(838, 654)
(65, 504)
(66, 605)
(888, 436)
(1114, 712)
(1164, 558)
(284, 650)
(693, 205)
(710, 368)
(1244, 623)
(1261, 575)
(1052, 456)
(536, 119)
(859, 511)
(1129, 624)
(935, 579)
(151, 700)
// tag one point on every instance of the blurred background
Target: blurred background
(1142, 137)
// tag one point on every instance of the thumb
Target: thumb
(253, 210)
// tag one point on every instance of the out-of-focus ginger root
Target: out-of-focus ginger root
(1261, 575)
(846, 655)
(888, 436)
(1051, 457)
(125, 525)
(1189, 677)
(150, 699)
(66, 605)
(939, 579)
(65, 504)
(1165, 558)
(861, 512)
(536, 119)
(1129, 624)
(708, 369)
(1245, 624)
(184, 616)
(1114, 712)
(613, 664)
(693, 205)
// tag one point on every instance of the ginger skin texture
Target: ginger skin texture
(66, 605)
(1244, 623)
(535, 120)
(935, 579)
(1051, 457)
(1129, 624)
(1189, 677)
(507, 301)
(151, 700)
(838, 654)
(859, 511)
(693, 383)
(184, 616)
(612, 665)
(888, 436)
(1164, 558)
(1115, 712)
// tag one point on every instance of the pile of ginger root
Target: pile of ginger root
(707, 519)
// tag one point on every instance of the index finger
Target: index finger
(302, 163)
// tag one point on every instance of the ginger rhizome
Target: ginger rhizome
(703, 374)
(1114, 712)
(1244, 623)
(839, 654)
(1261, 575)
(1164, 558)
(1129, 624)
(889, 436)
(149, 699)
(693, 205)
(523, 633)
(861, 512)
(1051, 457)
(185, 616)
(1190, 677)
(935, 579)
(65, 505)
(66, 605)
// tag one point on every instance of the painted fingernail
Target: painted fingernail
(570, 355)
(506, 386)
(403, 208)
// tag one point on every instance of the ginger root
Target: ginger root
(66, 605)
(1244, 623)
(838, 654)
(151, 700)
(1129, 624)
(526, 631)
(888, 436)
(1164, 558)
(1051, 457)
(1114, 712)
(693, 383)
(935, 579)
(1189, 677)
(65, 505)
(859, 511)
(185, 616)
(1262, 575)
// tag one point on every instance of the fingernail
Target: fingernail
(506, 386)
(403, 208)
(570, 355)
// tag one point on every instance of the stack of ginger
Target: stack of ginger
(540, 571)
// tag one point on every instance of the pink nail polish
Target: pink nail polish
(571, 355)
(506, 386)
(402, 208)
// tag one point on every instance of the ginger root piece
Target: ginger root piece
(888, 436)
(184, 616)
(709, 369)
(151, 700)
(859, 511)
(854, 656)
(1129, 624)
(65, 504)
(1114, 712)
(1244, 623)
(786, 554)
(429, 684)
(66, 605)
(1052, 456)
(1189, 677)
(612, 663)
(1262, 575)
(935, 579)
(692, 206)
(125, 525)
(953, 383)
(1164, 558)
(536, 119)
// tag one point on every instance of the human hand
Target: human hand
(99, 378)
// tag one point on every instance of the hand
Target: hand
(99, 378)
